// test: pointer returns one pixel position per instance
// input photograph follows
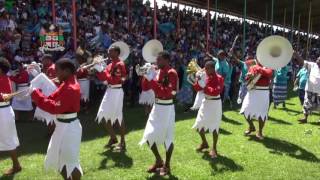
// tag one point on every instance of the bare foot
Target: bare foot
(12, 171)
(121, 147)
(153, 168)
(202, 147)
(213, 154)
(249, 131)
(302, 121)
(111, 143)
(259, 136)
(164, 171)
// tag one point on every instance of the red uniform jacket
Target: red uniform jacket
(166, 86)
(82, 74)
(21, 78)
(115, 73)
(145, 85)
(66, 99)
(5, 86)
(214, 85)
(266, 74)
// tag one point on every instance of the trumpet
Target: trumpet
(96, 60)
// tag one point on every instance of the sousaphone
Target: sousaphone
(124, 49)
(274, 52)
(151, 50)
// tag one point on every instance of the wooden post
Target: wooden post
(74, 24)
(309, 26)
(244, 28)
(155, 19)
(53, 9)
(208, 24)
(215, 20)
(284, 20)
(272, 11)
(293, 16)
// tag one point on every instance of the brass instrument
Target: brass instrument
(151, 50)
(192, 69)
(273, 52)
(145, 69)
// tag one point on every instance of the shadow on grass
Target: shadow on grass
(231, 121)
(120, 159)
(315, 123)
(281, 147)
(278, 121)
(3, 177)
(222, 164)
(224, 132)
(157, 177)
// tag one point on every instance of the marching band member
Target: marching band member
(312, 89)
(21, 79)
(83, 76)
(147, 96)
(8, 134)
(49, 68)
(64, 147)
(253, 108)
(111, 106)
(160, 126)
(210, 113)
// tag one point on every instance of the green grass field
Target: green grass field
(289, 151)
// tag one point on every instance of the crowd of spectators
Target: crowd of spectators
(101, 22)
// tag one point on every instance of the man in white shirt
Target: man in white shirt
(312, 89)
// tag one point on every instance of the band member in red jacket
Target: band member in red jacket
(21, 79)
(8, 134)
(64, 147)
(160, 126)
(256, 101)
(210, 112)
(49, 68)
(147, 96)
(112, 103)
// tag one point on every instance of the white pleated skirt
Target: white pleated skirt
(209, 116)
(8, 132)
(64, 148)
(198, 101)
(160, 126)
(22, 104)
(147, 97)
(256, 104)
(111, 106)
(84, 89)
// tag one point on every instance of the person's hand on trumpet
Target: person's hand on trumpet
(6, 97)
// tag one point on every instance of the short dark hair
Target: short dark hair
(47, 56)
(116, 48)
(66, 64)
(164, 55)
(210, 63)
(4, 65)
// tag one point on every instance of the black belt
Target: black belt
(218, 98)
(67, 120)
